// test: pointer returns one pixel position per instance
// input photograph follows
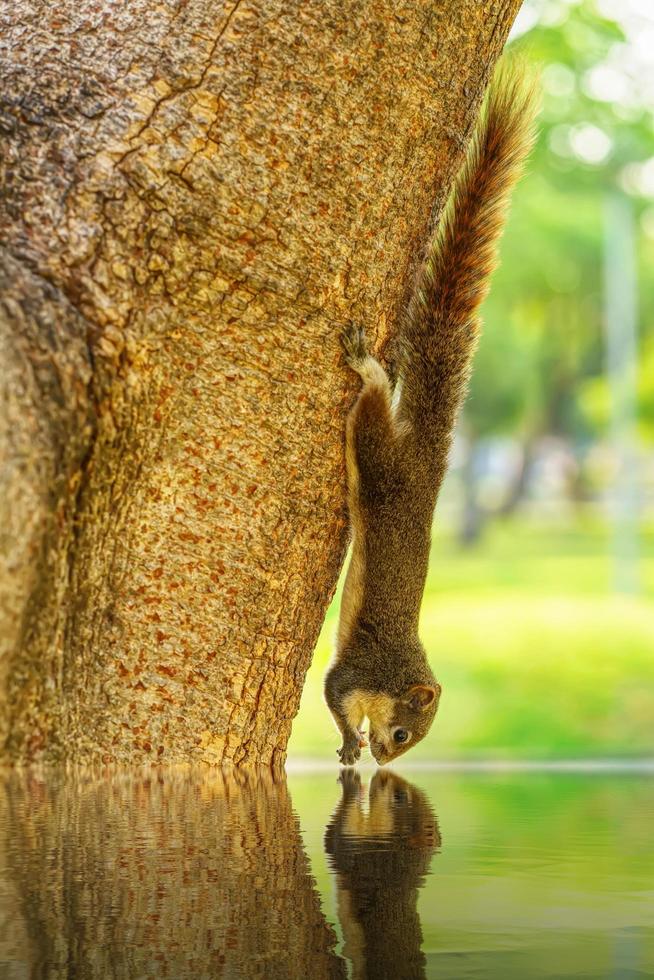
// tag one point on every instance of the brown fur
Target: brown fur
(380, 854)
(397, 457)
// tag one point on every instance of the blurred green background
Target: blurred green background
(539, 610)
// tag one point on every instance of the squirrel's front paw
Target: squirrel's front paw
(353, 339)
(349, 751)
(350, 780)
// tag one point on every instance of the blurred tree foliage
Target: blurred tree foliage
(540, 366)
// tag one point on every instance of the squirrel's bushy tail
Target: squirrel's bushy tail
(440, 332)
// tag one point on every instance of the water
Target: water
(192, 873)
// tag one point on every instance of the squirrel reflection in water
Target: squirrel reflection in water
(380, 853)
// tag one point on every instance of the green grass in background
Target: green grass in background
(538, 657)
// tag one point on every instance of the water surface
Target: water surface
(407, 874)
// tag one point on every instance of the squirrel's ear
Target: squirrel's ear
(420, 696)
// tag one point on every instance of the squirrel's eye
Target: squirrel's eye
(400, 735)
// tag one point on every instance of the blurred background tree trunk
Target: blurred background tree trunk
(195, 195)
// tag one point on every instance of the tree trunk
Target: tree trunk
(195, 196)
(520, 482)
(180, 874)
(473, 515)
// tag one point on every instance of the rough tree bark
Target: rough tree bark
(168, 874)
(195, 195)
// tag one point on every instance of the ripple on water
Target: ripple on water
(197, 873)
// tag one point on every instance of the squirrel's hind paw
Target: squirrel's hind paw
(353, 339)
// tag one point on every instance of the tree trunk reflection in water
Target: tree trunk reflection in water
(168, 873)
(381, 849)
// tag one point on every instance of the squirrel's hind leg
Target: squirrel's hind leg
(370, 426)
(368, 368)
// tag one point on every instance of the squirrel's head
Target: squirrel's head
(408, 721)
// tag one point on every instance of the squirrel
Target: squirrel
(397, 443)
(380, 850)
